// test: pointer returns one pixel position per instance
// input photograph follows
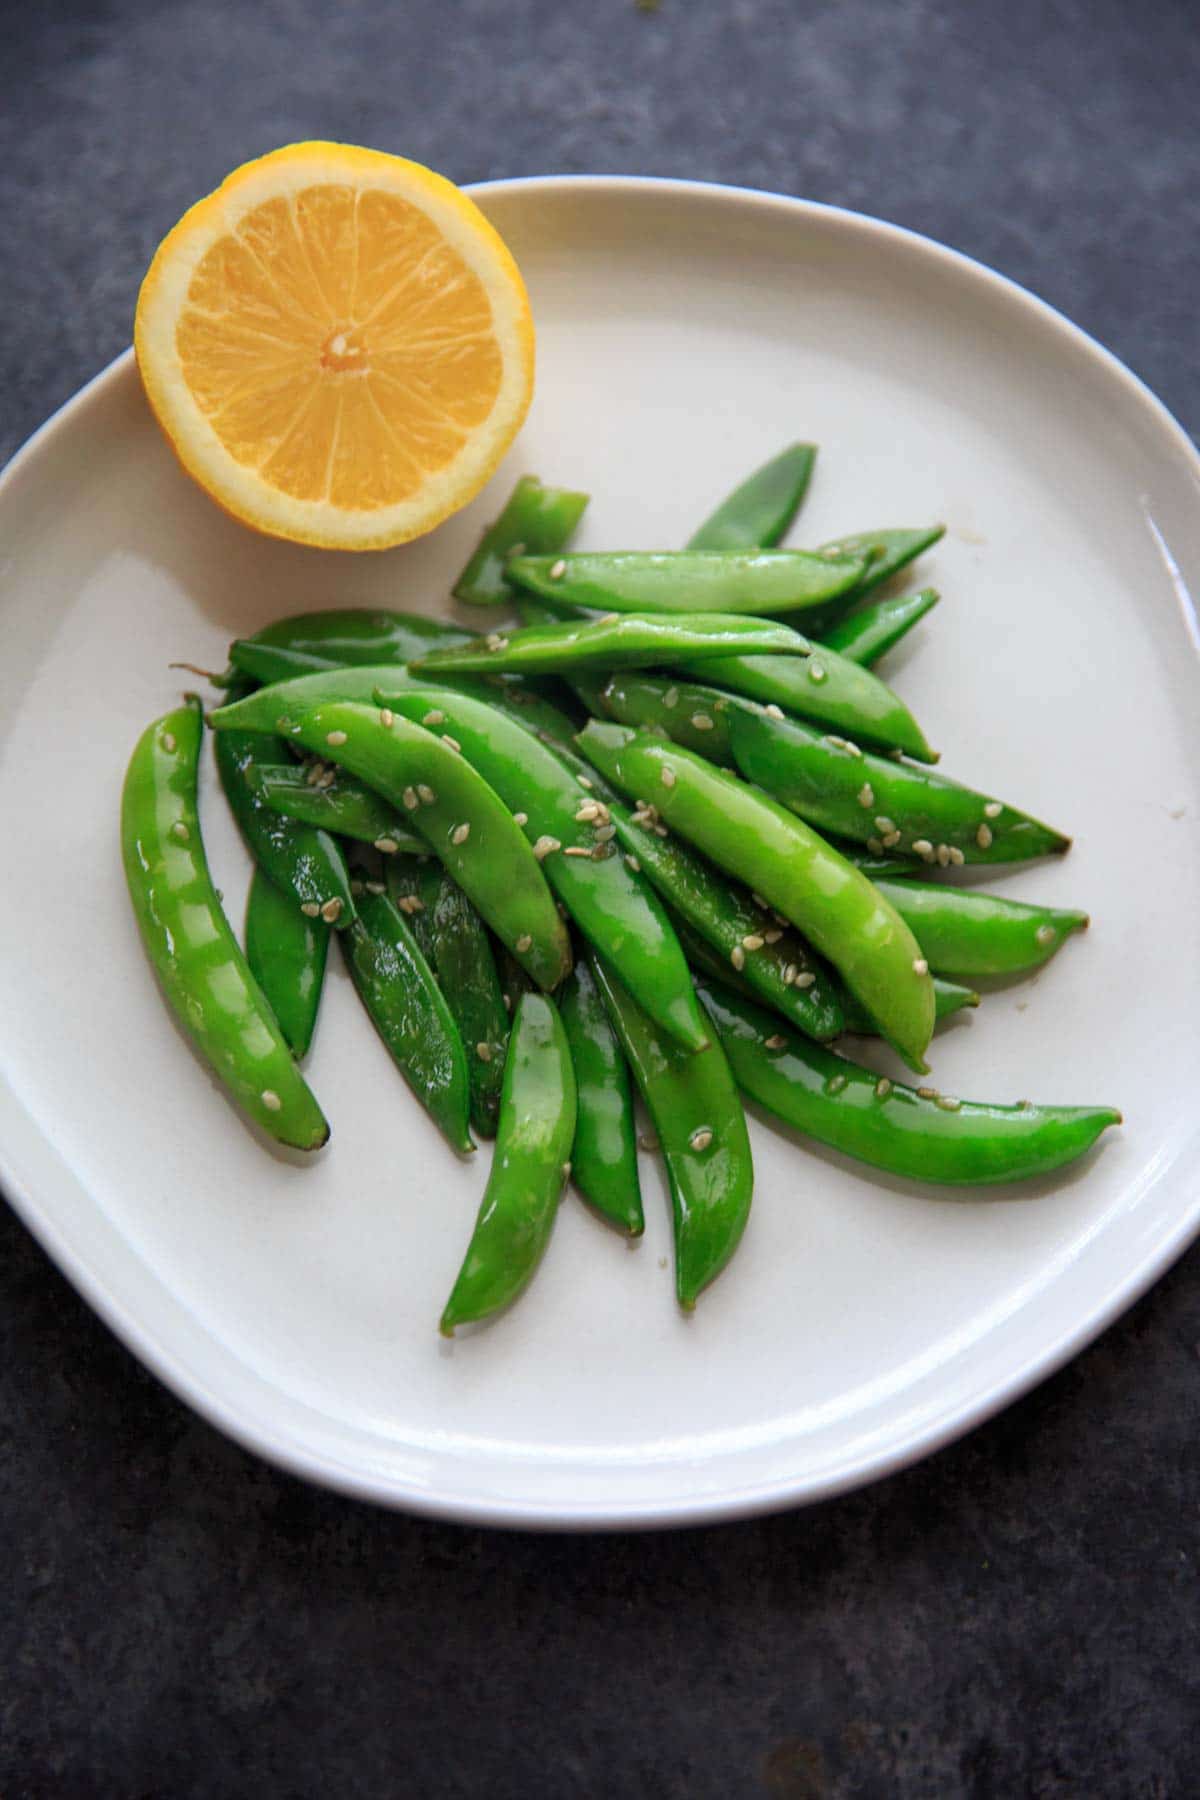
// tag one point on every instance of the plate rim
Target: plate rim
(731, 1502)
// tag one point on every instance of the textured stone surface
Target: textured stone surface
(1018, 1615)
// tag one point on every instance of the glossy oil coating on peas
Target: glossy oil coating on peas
(688, 581)
(974, 935)
(286, 952)
(463, 821)
(923, 1135)
(948, 998)
(529, 1169)
(617, 641)
(203, 974)
(885, 553)
(756, 515)
(604, 1156)
(304, 862)
(866, 635)
(750, 836)
(701, 1129)
(536, 520)
(691, 713)
(319, 793)
(353, 635)
(890, 806)
(410, 1013)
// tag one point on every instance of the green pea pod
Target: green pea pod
(753, 838)
(412, 883)
(618, 641)
(533, 711)
(460, 817)
(268, 662)
(910, 1132)
(756, 515)
(286, 953)
(604, 1156)
(334, 801)
(870, 862)
(948, 998)
(866, 635)
(885, 804)
(775, 962)
(967, 933)
(410, 1013)
(355, 635)
(689, 581)
(533, 1143)
(204, 976)
(536, 519)
(690, 713)
(885, 553)
(824, 687)
(702, 1130)
(303, 862)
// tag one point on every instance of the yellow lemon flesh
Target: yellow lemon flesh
(337, 344)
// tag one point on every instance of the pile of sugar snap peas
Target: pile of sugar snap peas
(710, 838)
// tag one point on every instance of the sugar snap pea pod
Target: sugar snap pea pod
(688, 581)
(756, 515)
(775, 962)
(619, 641)
(866, 635)
(460, 817)
(302, 860)
(910, 1132)
(701, 1127)
(615, 908)
(357, 635)
(689, 712)
(752, 837)
(409, 1011)
(967, 933)
(204, 976)
(888, 805)
(286, 953)
(405, 878)
(948, 998)
(822, 687)
(604, 1156)
(536, 519)
(885, 554)
(529, 1169)
(318, 794)
(269, 662)
(870, 863)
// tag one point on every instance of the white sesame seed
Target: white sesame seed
(434, 717)
(660, 831)
(671, 697)
(891, 840)
(387, 845)
(737, 957)
(753, 941)
(790, 973)
(922, 846)
(587, 812)
(983, 837)
(179, 830)
(604, 833)
(835, 1084)
(426, 793)
(927, 1093)
(866, 794)
(451, 742)
(545, 845)
(409, 797)
(772, 711)
(883, 825)
(647, 1141)
(805, 979)
(576, 850)
(947, 1102)
(775, 1042)
(883, 1088)
(1045, 934)
(816, 670)
(387, 717)
(408, 903)
(483, 1051)
(668, 776)
(168, 740)
(375, 887)
(631, 862)
(566, 1171)
(721, 705)
(521, 818)
(773, 935)
(608, 618)
(584, 781)
(524, 942)
(494, 641)
(558, 570)
(758, 900)
(327, 778)
(920, 966)
(313, 773)
(701, 721)
(335, 737)
(701, 1138)
(271, 1100)
(460, 834)
(332, 910)
(943, 854)
(311, 909)
(993, 809)
(956, 856)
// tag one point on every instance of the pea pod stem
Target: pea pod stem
(604, 1155)
(536, 519)
(529, 1169)
(701, 1129)
(689, 581)
(617, 641)
(757, 514)
(204, 976)
(287, 953)
(916, 1133)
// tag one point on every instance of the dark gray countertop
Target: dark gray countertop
(1016, 1616)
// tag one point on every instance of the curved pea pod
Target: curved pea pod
(460, 817)
(536, 519)
(774, 961)
(688, 581)
(352, 635)
(410, 1013)
(866, 635)
(753, 838)
(205, 979)
(948, 999)
(887, 805)
(529, 1169)
(701, 1127)
(317, 794)
(604, 1156)
(614, 908)
(910, 1132)
(756, 515)
(286, 953)
(618, 641)
(303, 861)
(884, 553)
(968, 933)
(690, 713)
(824, 687)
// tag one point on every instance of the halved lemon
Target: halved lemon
(337, 344)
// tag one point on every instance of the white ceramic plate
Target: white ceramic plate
(685, 333)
